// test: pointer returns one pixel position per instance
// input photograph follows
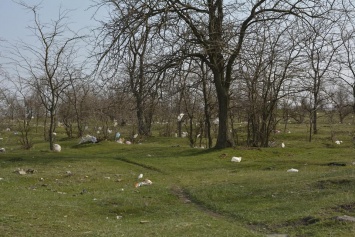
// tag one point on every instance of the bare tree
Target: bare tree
(273, 61)
(212, 31)
(321, 44)
(56, 51)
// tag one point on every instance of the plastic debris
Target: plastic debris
(216, 121)
(338, 142)
(236, 159)
(2, 149)
(88, 139)
(292, 170)
(57, 147)
(140, 176)
(23, 172)
(283, 145)
(117, 136)
(143, 183)
(180, 117)
(135, 136)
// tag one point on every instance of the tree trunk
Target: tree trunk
(51, 129)
(223, 104)
(206, 107)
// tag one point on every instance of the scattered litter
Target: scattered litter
(216, 121)
(143, 183)
(140, 176)
(23, 172)
(283, 145)
(41, 179)
(30, 171)
(1, 179)
(135, 136)
(128, 142)
(2, 149)
(236, 159)
(107, 177)
(338, 142)
(119, 217)
(180, 116)
(117, 136)
(88, 139)
(121, 140)
(57, 147)
(292, 170)
(345, 218)
(144, 222)
(68, 173)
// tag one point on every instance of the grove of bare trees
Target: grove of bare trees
(254, 63)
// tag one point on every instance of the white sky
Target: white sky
(15, 19)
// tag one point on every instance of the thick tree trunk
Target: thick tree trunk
(223, 104)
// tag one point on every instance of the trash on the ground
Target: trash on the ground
(1, 179)
(180, 116)
(88, 139)
(57, 147)
(140, 176)
(292, 170)
(23, 172)
(236, 159)
(338, 142)
(345, 218)
(143, 183)
(128, 142)
(283, 145)
(68, 173)
(2, 149)
(144, 222)
(117, 136)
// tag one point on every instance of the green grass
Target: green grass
(194, 191)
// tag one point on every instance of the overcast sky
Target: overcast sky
(15, 19)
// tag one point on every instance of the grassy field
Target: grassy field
(89, 190)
